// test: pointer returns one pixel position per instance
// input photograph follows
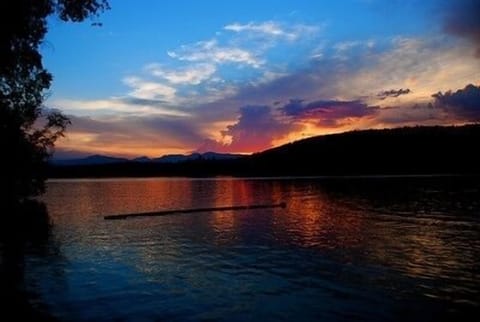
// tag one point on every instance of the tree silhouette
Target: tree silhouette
(28, 131)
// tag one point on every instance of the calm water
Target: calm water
(375, 249)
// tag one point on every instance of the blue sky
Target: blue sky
(179, 76)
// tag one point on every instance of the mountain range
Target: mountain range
(408, 150)
(169, 158)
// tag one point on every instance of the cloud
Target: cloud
(462, 18)
(257, 127)
(393, 93)
(194, 103)
(150, 90)
(344, 48)
(250, 46)
(409, 115)
(273, 29)
(116, 106)
(463, 104)
(423, 65)
(255, 130)
(459, 107)
(268, 27)
(192, 75)
(132, 135)
(329, 113)
(211, 52)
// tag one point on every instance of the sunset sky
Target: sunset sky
(178, 76)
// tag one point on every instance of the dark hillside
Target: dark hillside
(413, 150)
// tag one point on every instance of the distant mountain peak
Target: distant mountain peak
(142, 159)
(96, 159)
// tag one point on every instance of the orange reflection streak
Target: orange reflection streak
(314, 222)
(224, 195)
(230, 192)
(315, 217)
(115, 196)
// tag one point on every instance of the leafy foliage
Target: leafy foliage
(27, 130)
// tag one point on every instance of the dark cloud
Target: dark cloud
(258, 127)
(393, 93)
(318, 78)
(328, 113)
(462, 19)
(255, 130)
(294, 107)
(464, 103)
(445, 109)
(412, 115)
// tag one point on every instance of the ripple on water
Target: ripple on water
(344, 250)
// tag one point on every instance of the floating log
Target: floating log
(191, 210)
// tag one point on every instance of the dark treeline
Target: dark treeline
(408, 150)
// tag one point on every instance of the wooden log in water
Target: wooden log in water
(191, 210)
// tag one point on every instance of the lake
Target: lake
(373, 249)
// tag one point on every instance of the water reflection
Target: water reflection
(375, 249)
